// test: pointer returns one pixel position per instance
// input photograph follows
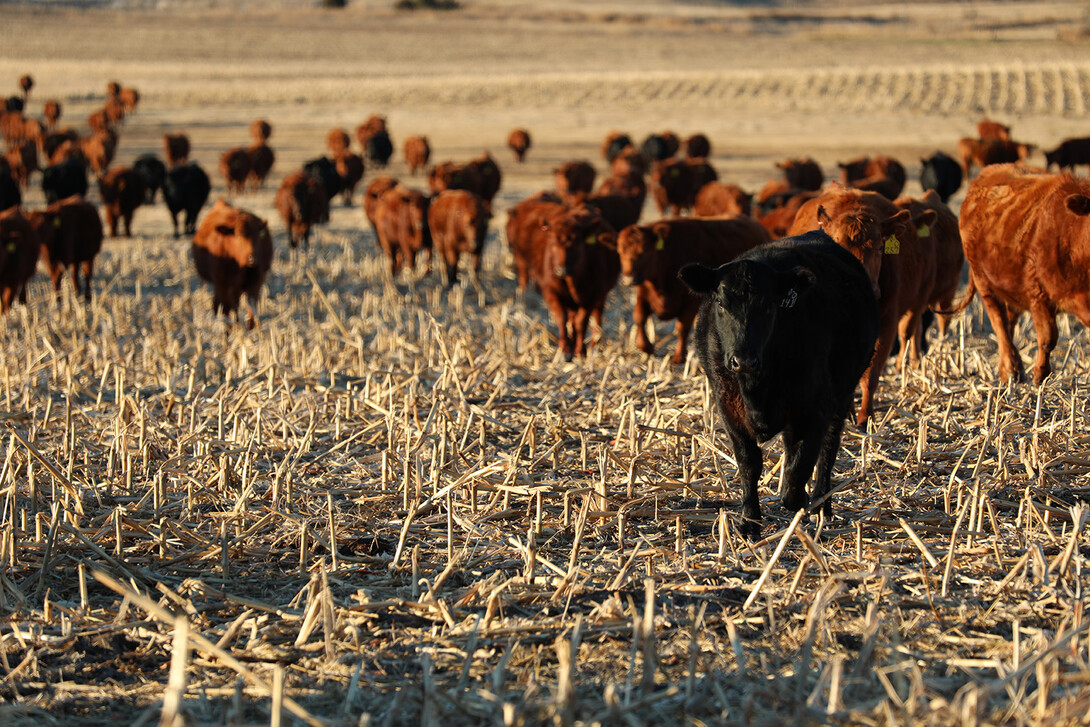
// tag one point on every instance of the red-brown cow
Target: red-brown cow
(722, 198)
(576, 270)
(23, 160)
(455, 175)
(458, 221)
(338, 141)
(882, 174)
(988, 129)
(574, 180)
(675, 182)
(235, 168)
(176, 148)
(401, 221)
(301, 202)
(122, 191)
(778, 214)
(519, 142)
(1027, 239)
(937, 231)
(70, 233)
(882, 237)
(379, 186)
(614, 143)
(985, 152)
(51, 112)
(260, 130)
(802, 173)
(620, 210)
(19, 249)
(417, 153)
(99, 150)
(262, 159)
(233, 250)
(524, 232)
(373, 125)
(651, 256)
(129, 97)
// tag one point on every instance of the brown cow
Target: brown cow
(937, 231)
(262, 159)
(233, 250)
(113, 89)
(19, 249)
(519, 141)
(523, 231)
(614, 143)
(122, 191)
(301, 202)
(722, 198)
(417, 152)
(882, 237)
(984, 152)
(697, 146)
(632, 186)
(235, 168)
(574, 180)
(12, 126)
(652, 255)
(988, 129)
(455, 175)
(1027, 239)
(70, 233)
(338, 141)
(490, 176)
(401, 221)
(115, 112)
(619, 209)
(349, 167)
(675, 182)
(129, 97)
(26, 83)
(882, 174)
(51, 112)
(379, 186)
(373, 125)
(458, 221)
(176, 147)
(576, 269)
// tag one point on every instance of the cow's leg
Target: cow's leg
(450, 267)
(1044, 323)
(55, 273)
(748, 455)
(563, 337)
(5, 299)
(801, 449)
(683, 327)
(908, 329)
(869, 382)
(1010, 361)
(174, 221)
(640, 313)
(579, 331)
(88, 272)
(830, 445)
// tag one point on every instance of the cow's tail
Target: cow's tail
(958, 308)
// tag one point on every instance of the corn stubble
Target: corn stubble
(389, 505)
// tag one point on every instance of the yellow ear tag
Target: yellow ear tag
(56, 221)
(592, 239)
(122, 185)
(923, 231)
(11, 247)
(893, 245)
(660, 243)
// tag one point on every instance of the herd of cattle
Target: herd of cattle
(857, 268)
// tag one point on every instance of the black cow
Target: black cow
(61, 181)
(186, 189)
(379, 148)
(1069, 153)
(784, 334)
(324, 170)
(941, 173)
(152, 170)
(10, 196)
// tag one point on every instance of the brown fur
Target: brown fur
(233, 250)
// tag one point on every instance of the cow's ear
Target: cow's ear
(699, 277)
(923, 222)
(794, 284)
(822, 217)
(661, 231)
(1079, 204)
(608, 240)
(898, 221)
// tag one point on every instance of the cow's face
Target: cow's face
(569, 237)
(636, 247)
(749, 297)
(860, 233)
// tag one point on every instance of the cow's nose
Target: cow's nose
(744, 364)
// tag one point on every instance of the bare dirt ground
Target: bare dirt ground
(516, 539)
